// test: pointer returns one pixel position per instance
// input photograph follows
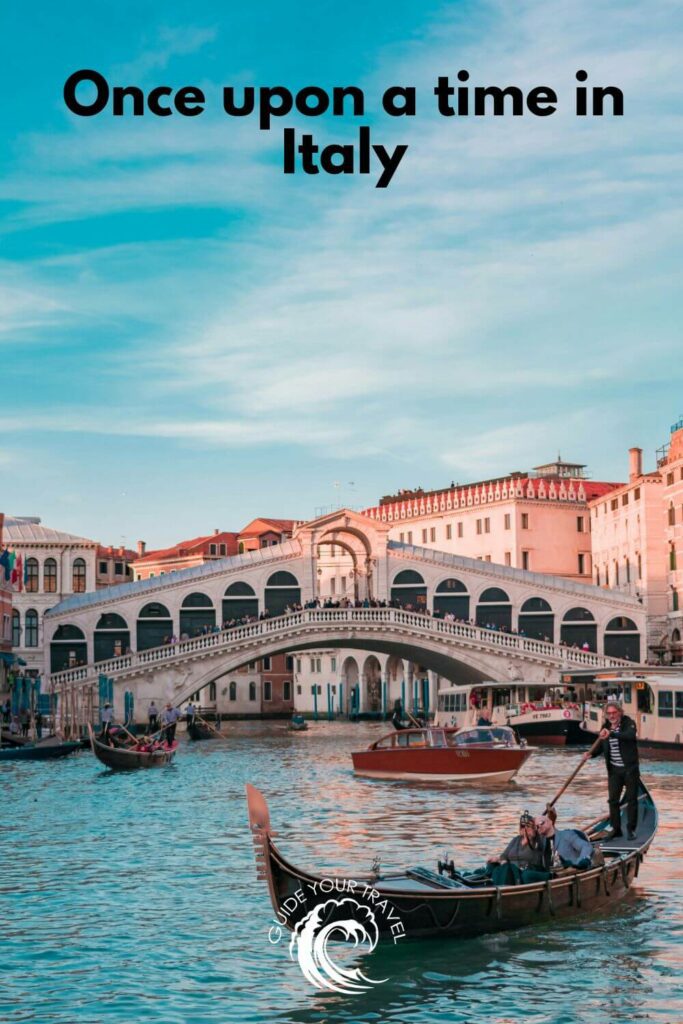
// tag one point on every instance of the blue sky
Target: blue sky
(188, 338)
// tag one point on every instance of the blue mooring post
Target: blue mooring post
(425, 696)
(330, 709)
(315, 703)
(416, 683)
(384, 698)
(341, 698)
(403, 696)
(103, 686)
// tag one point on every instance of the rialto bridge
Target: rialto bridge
(173, 635)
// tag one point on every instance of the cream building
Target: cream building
(670, 464)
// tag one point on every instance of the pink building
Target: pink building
(6, 657)
(537, 520)
(670, 465)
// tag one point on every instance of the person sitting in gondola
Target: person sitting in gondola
(565, 848)
(524, 858)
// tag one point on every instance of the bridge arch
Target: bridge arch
(452, 597)
(68, 648)
(350, 679)
(409, 588)
(372, 683)
(239, 601)
(536, 619)
(154, 626)
(282, 590)
(622, 639)
(111, 636)
(579, 629)
(494, 608)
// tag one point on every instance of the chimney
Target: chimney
(141, 548)
(216, 532)
(635, 464)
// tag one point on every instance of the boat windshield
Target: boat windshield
(497, 735)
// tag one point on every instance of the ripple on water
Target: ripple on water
(133, 897)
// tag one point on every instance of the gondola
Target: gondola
(421, 902)
(124, 758)
(43, 750)
(197, 730)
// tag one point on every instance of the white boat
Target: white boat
(542, 714)
(654, 700)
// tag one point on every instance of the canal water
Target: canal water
(133, 897)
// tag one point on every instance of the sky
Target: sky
(189, 338)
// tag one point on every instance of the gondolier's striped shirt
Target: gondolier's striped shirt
(614, 752)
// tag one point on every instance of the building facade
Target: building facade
(6, 656)
(670, 465)
(536, 521)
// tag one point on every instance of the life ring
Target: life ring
(566, 714)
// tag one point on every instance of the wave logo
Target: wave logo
(309, 944)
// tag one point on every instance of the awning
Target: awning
(11, 659)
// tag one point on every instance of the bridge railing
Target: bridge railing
(294, 622)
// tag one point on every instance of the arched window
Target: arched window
(282, 590)
(112, 636)
(252, 691)
(50, 576)
(672, 558)
(536, 619)
(31, 628)
(674, 600)
(16, 628)
(494, 609)
(197, 615)
(672, 514)
(31, 573)
(78, 576)
(154, 626)
(239, 601)
(212, 691)
(68, 648)
(579, 629)
(622, 639)
(233, 690)
(451, 597)
(409, 589)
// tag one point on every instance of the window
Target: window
(233, 690)
(679, 703)
(318, 664)
(666, 704)
(298, 691)
(672, 515)
(212, 549)
(460, 529)
(508, 521)
(674, 600)
(252, 666)
(624, 499)
(298, 664)
(432, 533)
(333, 585)
(287, 690)
(487, 558)
(222, 550)
(50, 576)
(289, 663)
(487, 526)
(508, 558)
(212, 691)
(582, 564)
(597, 577)
(266, 664)
(333, 664)
(449, 532)
(627, 566)
(31, 574)
(669, 479)
(525, 520)
(672, 557)
(312, 664)
(478, 525)
(636, 494)
(410, 536)
(402, 538)
(640, 567)
(252, 691)
(320, 690)
(78, 576)
(31, 632)
(614, 504)
(16, 629)
(525, 559)
(103, 568)
(579, 524)
(424, 536)
(616, 574)
(118, 568)
(267, 690)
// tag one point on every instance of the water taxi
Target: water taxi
(438, 754)
(550, 714)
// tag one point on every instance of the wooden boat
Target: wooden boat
(421, 902)
(297, 723)
(123, 758)
(44, 750)
(482, 754)
(197, 730)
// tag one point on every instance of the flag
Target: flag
(18, 574)
(5, 563)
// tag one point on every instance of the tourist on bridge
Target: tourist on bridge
(169, 721)
(620, 749)
(152, 718)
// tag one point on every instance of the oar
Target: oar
(414, 720)
(207, 724)
(573, 774)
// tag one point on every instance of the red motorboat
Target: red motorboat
(482, 754)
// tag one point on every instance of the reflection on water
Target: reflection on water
(134, 897)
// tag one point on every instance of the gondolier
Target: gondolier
(169, 721)
(153, 718)
(620, 749)
(106, 718)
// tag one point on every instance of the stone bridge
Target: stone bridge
(124, 631)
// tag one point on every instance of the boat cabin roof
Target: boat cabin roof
(447, 736)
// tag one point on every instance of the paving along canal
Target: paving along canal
(133, 897)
